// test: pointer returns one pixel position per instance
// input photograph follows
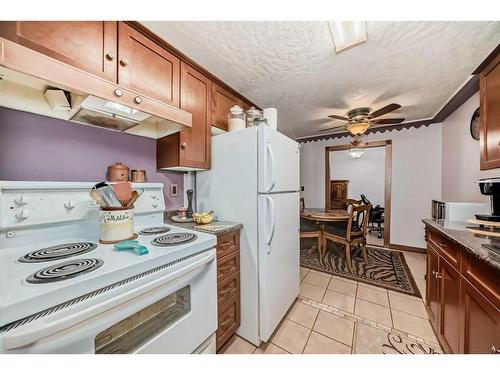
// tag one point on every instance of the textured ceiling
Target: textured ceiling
(293, 66)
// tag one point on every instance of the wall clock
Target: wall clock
(474, 125)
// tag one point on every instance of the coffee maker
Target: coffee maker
(491, 187)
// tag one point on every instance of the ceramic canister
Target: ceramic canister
(116, 225)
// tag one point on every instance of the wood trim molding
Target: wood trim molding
(387, 185)
(408, 248)
(162, 43)
(487, 60)
(467, 90)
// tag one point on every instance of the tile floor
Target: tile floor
(340, 316)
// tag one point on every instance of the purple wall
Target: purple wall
(39, 148)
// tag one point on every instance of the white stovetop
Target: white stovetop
(19, 299)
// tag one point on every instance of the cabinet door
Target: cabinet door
(146, 67)
(490, 115)
(432, 285)
(222, 101)
(480, 322)
(449, 321)
(87, 45)
(195, 99)
(246, 106)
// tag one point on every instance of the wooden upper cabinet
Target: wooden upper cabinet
(246, 106)
(196, 95)
(489, 84)
(146, 67)
(87, 45)
(222, 101)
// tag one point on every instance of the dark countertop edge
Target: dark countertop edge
(471, 250)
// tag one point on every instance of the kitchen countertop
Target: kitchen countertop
(471, 242)
(216, 227)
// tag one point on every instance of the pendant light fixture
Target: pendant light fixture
(356, 153)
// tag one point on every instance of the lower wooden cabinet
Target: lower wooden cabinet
(462, 298)
(228, 286)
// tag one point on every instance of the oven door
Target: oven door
(173, 317)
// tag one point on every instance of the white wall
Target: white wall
(460, 155)
(416, 178)
(366, 175)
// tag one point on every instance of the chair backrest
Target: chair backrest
(358, 220)
(351, 202)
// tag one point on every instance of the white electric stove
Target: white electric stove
(61, 291)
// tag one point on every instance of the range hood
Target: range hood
(26, 76)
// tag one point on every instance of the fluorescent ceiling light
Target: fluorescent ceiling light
(346, 34)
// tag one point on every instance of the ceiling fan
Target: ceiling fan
(360, 119)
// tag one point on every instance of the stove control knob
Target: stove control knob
(155, 203)
(23, 214)
(154, 196)
(69, 204)
(22, 200)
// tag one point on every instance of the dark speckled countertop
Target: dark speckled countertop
(457, 232)
(216, 227)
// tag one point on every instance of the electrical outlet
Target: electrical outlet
(174, 190)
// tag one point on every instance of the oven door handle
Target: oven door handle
(47, 326)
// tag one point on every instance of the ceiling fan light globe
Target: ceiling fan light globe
(358, 128)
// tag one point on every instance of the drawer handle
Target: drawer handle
(229, 319)
(225, 268)
(442, 244)
(124, 61)
(494, 350)
(226, 244)
(110, 56)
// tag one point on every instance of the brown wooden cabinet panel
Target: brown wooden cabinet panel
(229, 320)
(222, 101)
(432, 284)
(87, 45)
(489, 85)
(191, 147)
(227, 243)
(146, 67)
(480, 321)
(449, 322)
(338, 194)
(245, 105)
(196, 97)
(228, 265)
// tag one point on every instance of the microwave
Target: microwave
(457, 211)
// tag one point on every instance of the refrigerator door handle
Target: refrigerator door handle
(271, 213)
(273, 166)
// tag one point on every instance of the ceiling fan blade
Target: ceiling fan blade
(382, 111)
(332, 128)
(339, 117)
(388, 121)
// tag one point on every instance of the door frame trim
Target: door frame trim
(387, 183)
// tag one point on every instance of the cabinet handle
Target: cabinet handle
(110, 56)
(137, 100)
(183, 145)
(494, 350)
(437, 275)
(124, 61)
(118, 92)
(442, 244)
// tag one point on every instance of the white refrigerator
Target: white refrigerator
(254, 179)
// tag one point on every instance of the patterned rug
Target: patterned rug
(386, 269)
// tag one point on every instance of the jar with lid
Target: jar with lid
(236, 118)
(252, 114)
(259, 121)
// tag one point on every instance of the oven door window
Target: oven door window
(134, 331)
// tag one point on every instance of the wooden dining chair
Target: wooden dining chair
(350, 233)
(310, 229)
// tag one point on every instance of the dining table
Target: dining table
(321, 217)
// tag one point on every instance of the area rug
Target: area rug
(386, 269)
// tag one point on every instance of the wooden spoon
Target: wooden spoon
(94, 194)
(130, 203)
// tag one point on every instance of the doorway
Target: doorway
(370, 176)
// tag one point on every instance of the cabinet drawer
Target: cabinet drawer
(483, 277)
(448, 250)
(228, 320)
(228, 287)
(227, 243)
(228, 265)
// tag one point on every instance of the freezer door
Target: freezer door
(278, 258)
(279, 162)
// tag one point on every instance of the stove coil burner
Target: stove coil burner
(174, 239)
(154, 231)
(58, 252)
(64, 271)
